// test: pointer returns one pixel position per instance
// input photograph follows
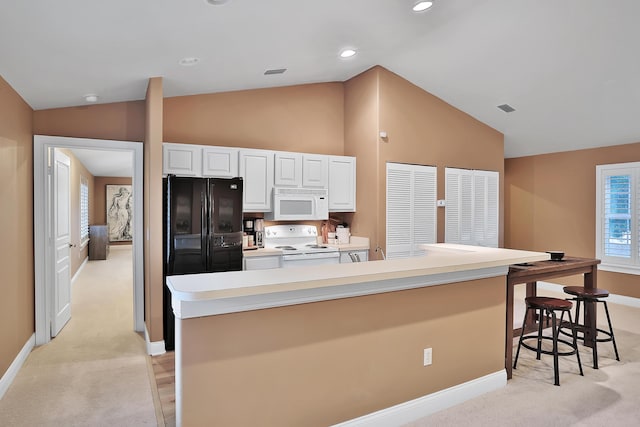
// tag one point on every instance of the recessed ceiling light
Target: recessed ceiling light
(347, 53)
(91, 97)
(189, 61)
(421, 6)
(216, 2)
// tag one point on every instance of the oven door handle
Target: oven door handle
(319, 255)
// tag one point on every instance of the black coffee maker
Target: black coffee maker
(254, 229)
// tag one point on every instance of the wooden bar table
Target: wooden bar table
(531, 273)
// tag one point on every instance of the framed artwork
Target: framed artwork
(119, 213)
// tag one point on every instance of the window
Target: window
(471, 216)
(617, 217)
(411, 209)
(84, 210)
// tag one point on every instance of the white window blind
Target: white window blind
(84, 209)
(618, 217)
(411, 209)
(472, 204)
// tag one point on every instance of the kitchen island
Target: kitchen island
(319, 346)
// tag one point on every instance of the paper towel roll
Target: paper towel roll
(343, 234)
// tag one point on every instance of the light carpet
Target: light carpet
(94, 373)
(609, 396)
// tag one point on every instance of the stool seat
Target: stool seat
(592, 296)
(548, 303)
(580, 291)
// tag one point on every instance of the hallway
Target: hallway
(95, 371)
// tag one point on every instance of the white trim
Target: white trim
(624, 269)
(154, 348)
(75, 276)
(41, 146)
(14, 368)
(184, 307)
(613, 298)
(412, 410)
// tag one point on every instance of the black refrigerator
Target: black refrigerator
(202, 232)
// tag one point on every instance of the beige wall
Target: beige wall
(153, 285)
(550, 204)
(16, 225)
(121, 121)
(78, 253)
(421, 129)
(361, 115)
(321, 363)
(307, 118)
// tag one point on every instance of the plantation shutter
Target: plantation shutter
(472, 203)
(411, 209)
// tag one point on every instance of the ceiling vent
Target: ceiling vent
(275, 71)
(506, 108)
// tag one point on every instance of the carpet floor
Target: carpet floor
(608, 396)
(94, 373)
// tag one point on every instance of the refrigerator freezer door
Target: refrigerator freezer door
(187, 239)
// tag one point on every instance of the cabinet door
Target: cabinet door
(315, 169)
(219, 162)
(181, 159)
(342, 184)
(288, 169)
(256, 169)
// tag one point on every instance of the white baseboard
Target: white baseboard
(15, 366)
(153, 348)
(75, 276)
(426, 405)
(613, 298)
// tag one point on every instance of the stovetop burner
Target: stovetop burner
(312, 246)
(286, 248)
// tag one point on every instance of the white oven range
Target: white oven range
(299, 245)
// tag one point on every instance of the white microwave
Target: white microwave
(296, 204)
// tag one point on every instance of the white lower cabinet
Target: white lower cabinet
(262, 262)
(345, 256)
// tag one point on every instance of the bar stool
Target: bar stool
(545, 306)
(582, 294)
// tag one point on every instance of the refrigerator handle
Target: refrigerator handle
(204, 233)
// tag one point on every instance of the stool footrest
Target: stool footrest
(560, 353)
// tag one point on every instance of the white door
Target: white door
(61, 226)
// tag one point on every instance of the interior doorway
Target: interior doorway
(43, 224)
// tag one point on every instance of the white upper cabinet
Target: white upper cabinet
(288, 169)
(342, 184)
(256, 169)
(181, 159)
(220, 162)
(315, 170)
(301, 170)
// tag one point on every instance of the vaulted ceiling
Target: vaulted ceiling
(570, 68)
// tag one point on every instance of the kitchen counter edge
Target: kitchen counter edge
(209, 294)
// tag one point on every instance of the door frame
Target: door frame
(42, 214)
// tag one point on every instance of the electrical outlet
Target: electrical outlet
(427, 358)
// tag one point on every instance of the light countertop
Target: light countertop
(355, 244)
(216, 293)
